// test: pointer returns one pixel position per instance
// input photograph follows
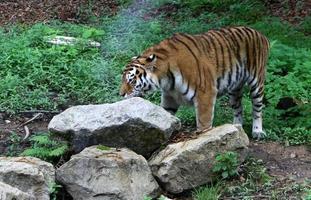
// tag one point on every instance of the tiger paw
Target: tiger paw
(200, 131)
(259, 135)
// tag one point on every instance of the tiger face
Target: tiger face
(137, 77)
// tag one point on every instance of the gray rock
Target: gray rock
(188, 164)
(8, 192)
(118, 174)
(29, 175)
(134, 123)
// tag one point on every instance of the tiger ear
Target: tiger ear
(151, 58)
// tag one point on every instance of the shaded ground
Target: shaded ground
(293, 162)
(291, 10)
(80, 11)
(32, 11)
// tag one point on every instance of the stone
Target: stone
(99, 172)
(134, 123)
(8, 192)
(188, 164)
(29, 175)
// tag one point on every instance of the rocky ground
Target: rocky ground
(287, 164)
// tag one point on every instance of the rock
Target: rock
(107, 173)
(134, 123)
(8, 192)
(29, 175)
(188, 164)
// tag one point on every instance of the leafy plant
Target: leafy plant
(14, 144)
(44, 146)
(226, 165)
(53, 190)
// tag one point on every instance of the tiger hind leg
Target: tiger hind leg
(236, 104)
(256, 93)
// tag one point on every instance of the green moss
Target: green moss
(103, 147)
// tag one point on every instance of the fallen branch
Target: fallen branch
(27, 132)
(39, 111)
(34, 117)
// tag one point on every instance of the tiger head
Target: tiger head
(139, 76)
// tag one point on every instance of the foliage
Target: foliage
(38, 75)
(14, 144)
(53, 190)
(226, 164)
(211, 192)
(45, 147)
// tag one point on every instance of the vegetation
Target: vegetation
(226, 164)
(253, 182)
(103, 147)
(38, 75)
(44, 146)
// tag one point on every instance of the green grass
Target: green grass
(38, 75)
(212, 192)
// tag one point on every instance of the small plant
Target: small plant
(212, 192)
(14, 144)
(53, 190)
(43, 146)
(226, 164)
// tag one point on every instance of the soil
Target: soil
(33, 11)
(292, 11)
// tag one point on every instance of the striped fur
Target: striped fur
(195, 69)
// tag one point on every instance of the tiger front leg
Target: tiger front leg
(204, 107)
(169, 103)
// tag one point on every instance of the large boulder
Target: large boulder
(99, 172)
(29, 175)
(188, 164)
(134, 123)
(8, 192)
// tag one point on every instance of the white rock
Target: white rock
(8, 192)
(134, 123)
(107, 174)
(188, 164)
(30, 175)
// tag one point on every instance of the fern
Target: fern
(45, 147)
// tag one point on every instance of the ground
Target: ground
(289, 165)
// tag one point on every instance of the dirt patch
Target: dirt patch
(293, 162)
(292, 11)
(33, 11)
(12, 131)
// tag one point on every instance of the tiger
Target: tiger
(196, 69)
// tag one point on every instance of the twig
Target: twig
(26, 129)
(34, 111)
(34, 117)
(39, 111)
